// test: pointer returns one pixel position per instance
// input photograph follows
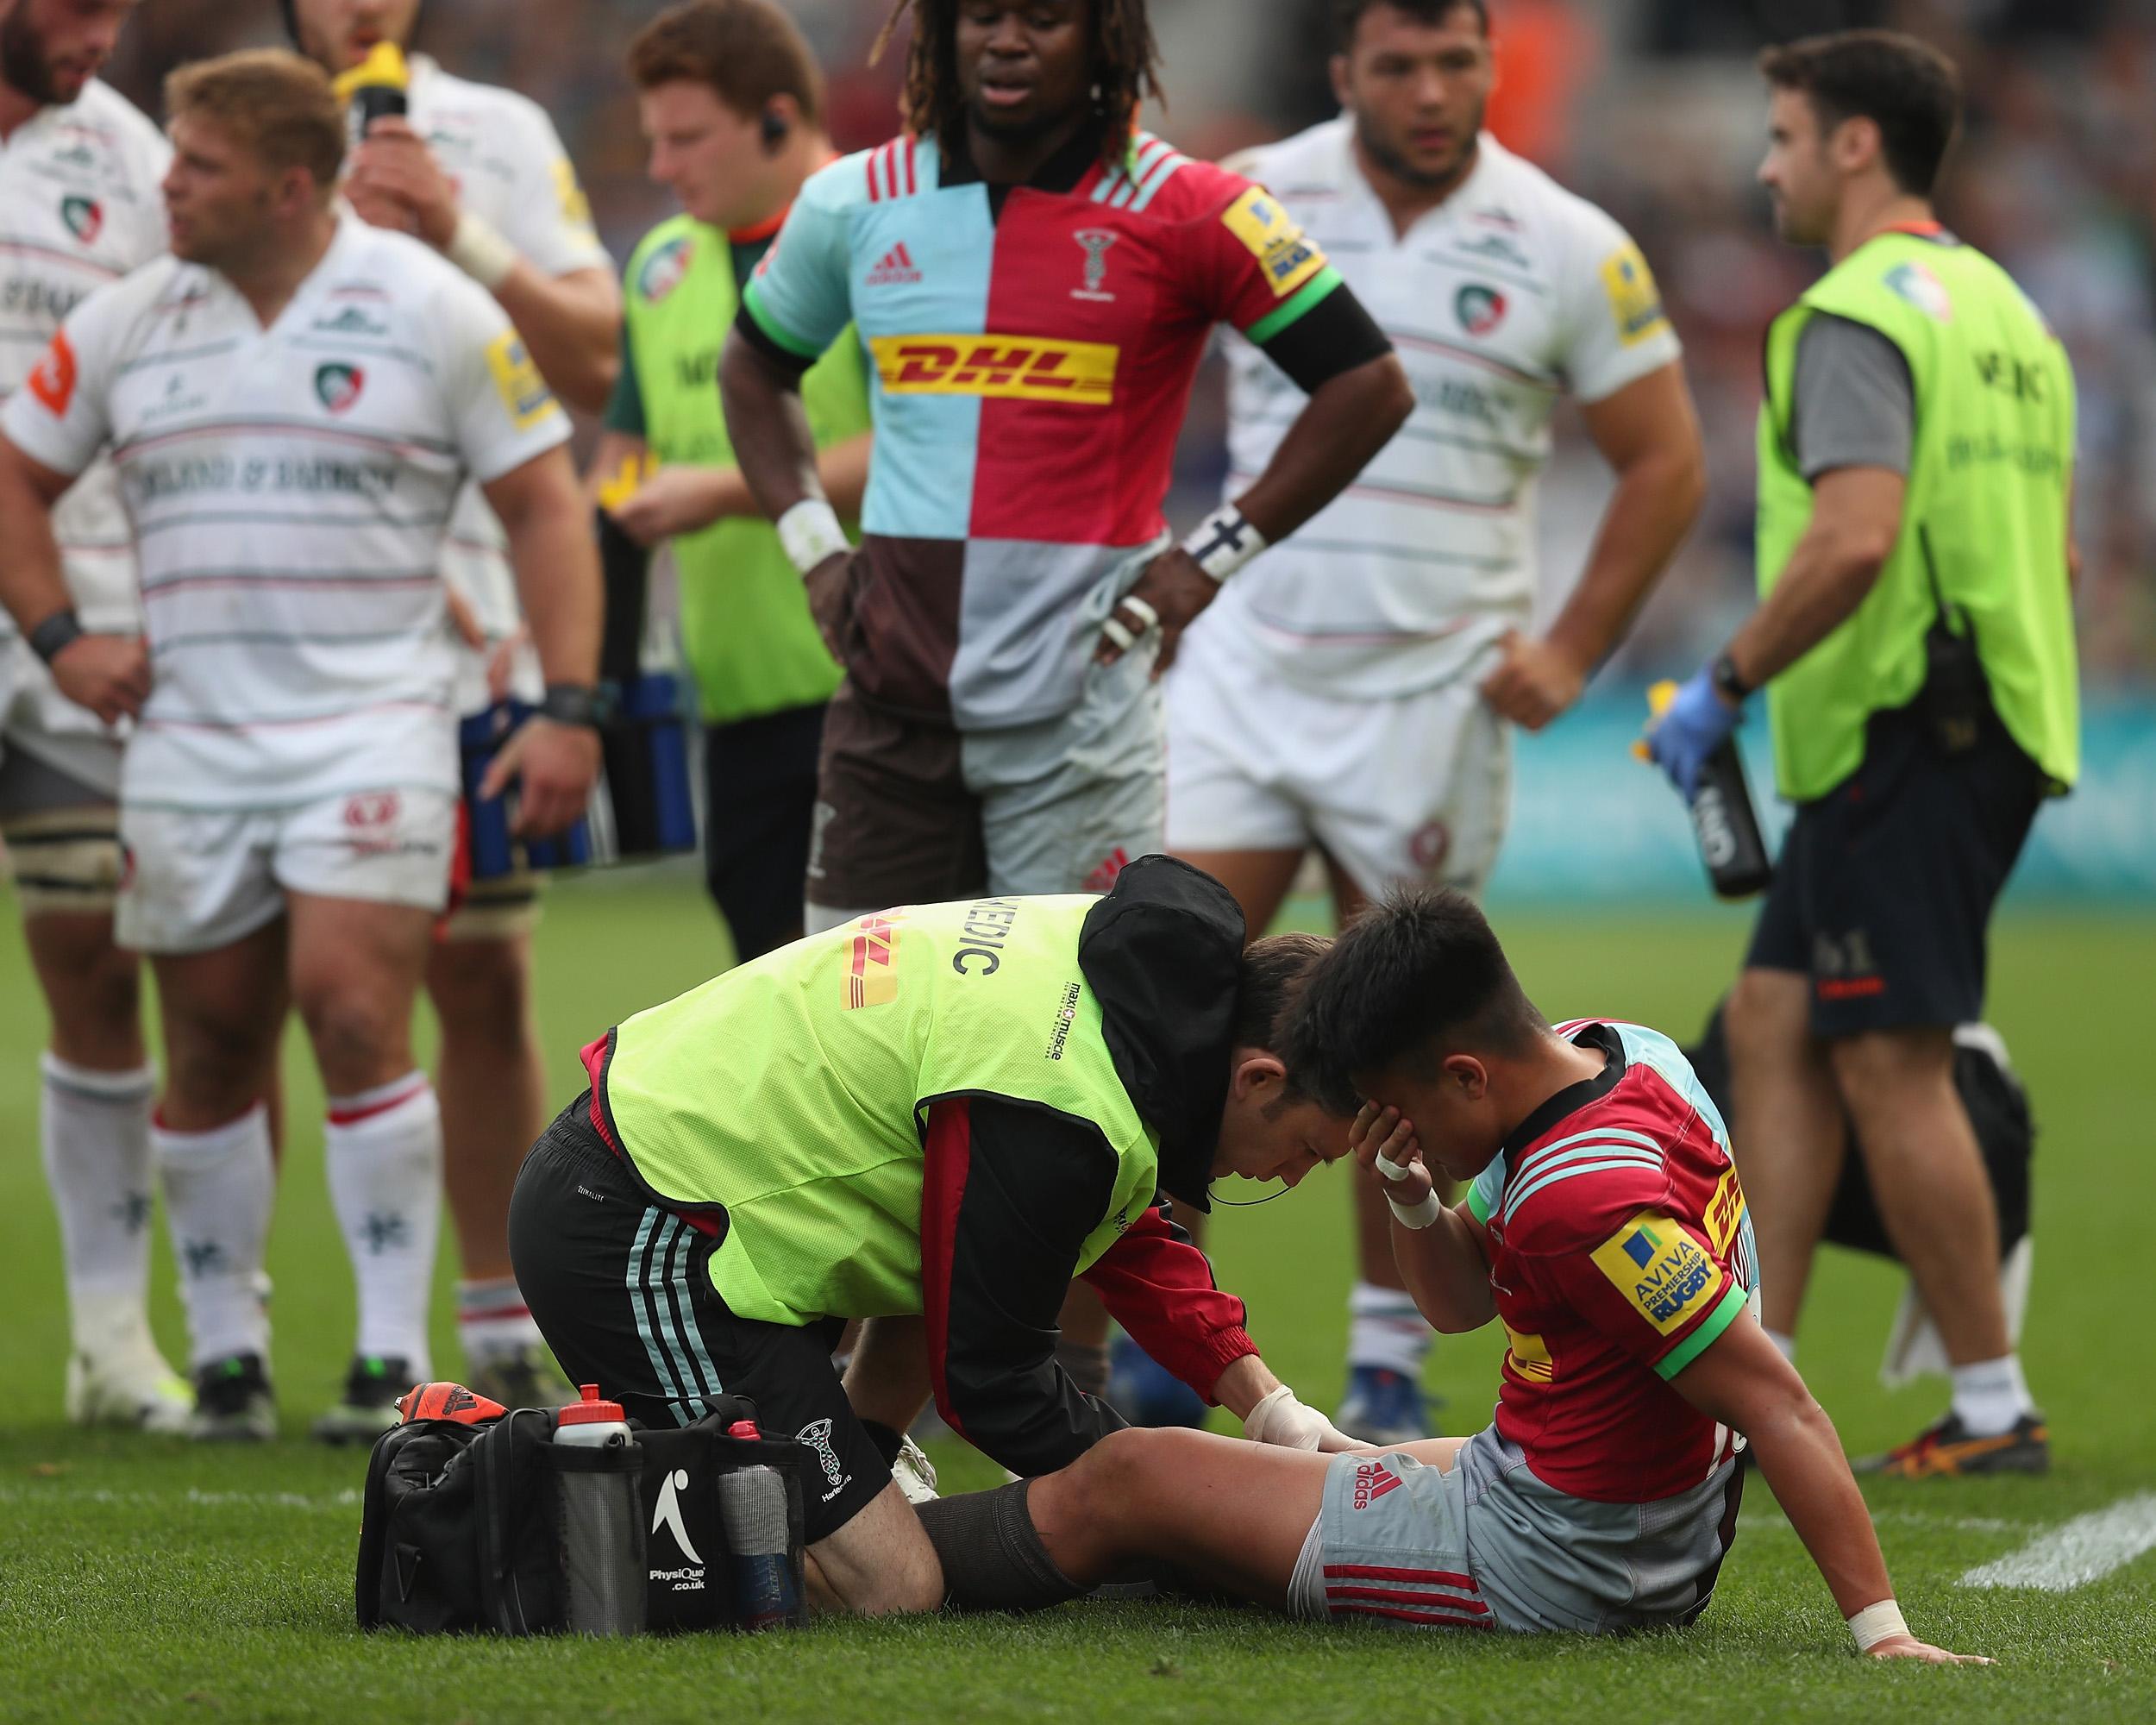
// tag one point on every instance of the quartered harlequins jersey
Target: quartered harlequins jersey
(1620, 1250)
(1031, 351)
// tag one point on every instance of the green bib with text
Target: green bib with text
(794, 1091)
(1984, 527)
(745, 622)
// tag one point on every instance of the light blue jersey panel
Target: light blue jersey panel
(1652, 1049)
(921, 271)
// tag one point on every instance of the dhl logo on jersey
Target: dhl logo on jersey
(1529, 1355)
(1661, 1268)
(872, 966)
(1010, 368)
(1724, 1212)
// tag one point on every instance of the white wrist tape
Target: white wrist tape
(1409, 1216)
(1877, 1624)
(481, 252)
(1224, 542)
(811, 534)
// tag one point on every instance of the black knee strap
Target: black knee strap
(992, 1556)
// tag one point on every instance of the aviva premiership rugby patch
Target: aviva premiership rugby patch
(1634, 301)
(516, 380)
(1661, 1270)
(1923, 290)
(664, 269)
(1270, 236)
(84, 217)
(338, 386)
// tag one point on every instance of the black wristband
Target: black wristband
(1728, 681)
(576, 704)
(57, 633)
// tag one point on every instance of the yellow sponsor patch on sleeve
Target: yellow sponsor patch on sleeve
(576, 208)
(1661, 1270)
(1634, 301)
(1287, 255)
(516, 380)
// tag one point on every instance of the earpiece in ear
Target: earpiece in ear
(775, 128)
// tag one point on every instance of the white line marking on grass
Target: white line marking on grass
(2078, 1552)
(348, 1498)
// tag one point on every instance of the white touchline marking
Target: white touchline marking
(192, 1496)
(2081, 1551)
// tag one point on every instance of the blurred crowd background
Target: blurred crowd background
(1649, 107)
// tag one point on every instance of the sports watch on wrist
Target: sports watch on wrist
(578, 704)
(1728, 681)
(56, 634)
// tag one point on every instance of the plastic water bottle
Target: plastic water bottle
(1725, 825)
(379, 84)
(597, 1465)
(752, 1507)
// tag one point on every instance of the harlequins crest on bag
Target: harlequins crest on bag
(339, 385)
(85, 216)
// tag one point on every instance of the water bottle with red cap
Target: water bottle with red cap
(597, 1467)
(752, 1507)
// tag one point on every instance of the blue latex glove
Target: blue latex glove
(1696, 725)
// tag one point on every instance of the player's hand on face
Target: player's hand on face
(394, 174)
(1385, 1142)
(1909, 1648)
(1535, 682)
(555, 766)
(1169, 597)
(108, 674)
(827, 600)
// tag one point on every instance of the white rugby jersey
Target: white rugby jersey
(1510, 292)
(290, 489)
(80, 205)
(507, 160)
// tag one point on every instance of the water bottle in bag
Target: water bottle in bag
(752, 1505)
(598, 1468)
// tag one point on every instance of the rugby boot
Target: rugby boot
(1946, 1449)
(369, 1408)
(1383, 1407)
(1146, 1393)
(234, 1402)
(115, 1376)
(525, 1378)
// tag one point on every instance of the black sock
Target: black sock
(885, 1440)
(991, 1554)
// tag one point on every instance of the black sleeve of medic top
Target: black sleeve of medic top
(1335, 335)
(752, 332)
(1010, 1193)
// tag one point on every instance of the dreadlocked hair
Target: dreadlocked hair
(1125, 58)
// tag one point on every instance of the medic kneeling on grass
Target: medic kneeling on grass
(1606, 1228)
(937, 1115)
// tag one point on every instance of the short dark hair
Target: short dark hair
(1906, 88)
(1417, 978)
(1348, 15)
(1273, 974)
(745, 52)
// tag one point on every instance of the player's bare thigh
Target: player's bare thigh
(880, 1561)
(356, 966)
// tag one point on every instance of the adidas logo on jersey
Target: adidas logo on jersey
(895, 268)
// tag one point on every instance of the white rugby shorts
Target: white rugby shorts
(1397, 789)
(196, 880)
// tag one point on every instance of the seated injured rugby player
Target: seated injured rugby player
(1604, 1227)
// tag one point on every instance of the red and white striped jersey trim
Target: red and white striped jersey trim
(893, 169)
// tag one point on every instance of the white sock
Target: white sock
(218, 1187)
(492, 1320)
(384, 1149)
(1386, 1331)
(1990, 1395)
(1787, 1343)
(95, 1131)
